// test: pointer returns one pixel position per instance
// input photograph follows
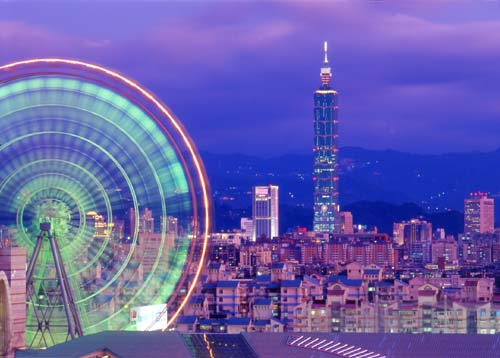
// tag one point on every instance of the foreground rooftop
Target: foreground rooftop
(291, 345)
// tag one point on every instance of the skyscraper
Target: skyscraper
(478, 214)
(246, 226)
(345, 222)
(325, 176)
(265, 212)
(416, 236)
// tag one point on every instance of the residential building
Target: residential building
(12, 298)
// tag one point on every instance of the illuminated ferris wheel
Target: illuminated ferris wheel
(105, 190)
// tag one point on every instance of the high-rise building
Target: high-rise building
(130, 223)
(416, 236)
(172, 226)
(265, 212)
(398, 233)
(325, 176)
(478, 214)
(444, 250)
(246, 226)
(345, 222)
(146, 222)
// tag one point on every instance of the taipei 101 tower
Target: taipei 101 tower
(325, 175)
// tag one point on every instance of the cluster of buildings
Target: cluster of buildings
(354, 298)
(341, 278)
(413, 244)
(418, 280)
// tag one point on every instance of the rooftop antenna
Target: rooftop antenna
(326, 71)
(325, 46)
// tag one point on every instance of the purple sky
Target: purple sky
(421, 77)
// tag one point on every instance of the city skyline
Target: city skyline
(387, 60)
(111, 220)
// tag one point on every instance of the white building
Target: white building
(479, 214)
(246, 226)
(265, 212)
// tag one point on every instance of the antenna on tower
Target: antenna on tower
(325, 46)
(326, 71)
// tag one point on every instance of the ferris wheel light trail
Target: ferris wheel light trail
(200, 175)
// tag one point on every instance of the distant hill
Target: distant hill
(434, 182)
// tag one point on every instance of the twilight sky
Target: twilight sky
(417, 76)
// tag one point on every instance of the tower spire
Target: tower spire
(326, 71)
(325, 47)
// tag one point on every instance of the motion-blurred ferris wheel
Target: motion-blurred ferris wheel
(104, 188)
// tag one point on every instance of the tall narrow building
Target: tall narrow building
(265, 215)
(479, 214)
(325, 175)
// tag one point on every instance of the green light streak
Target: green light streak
(82, 211)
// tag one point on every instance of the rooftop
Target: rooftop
(148, 344)
(227, 284)
(291, 283)
(186, 320)
(238, 321)
(263, 278)
(262, 302)
(345, 281)
(262, 322)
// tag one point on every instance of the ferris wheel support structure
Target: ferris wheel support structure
(66, 294)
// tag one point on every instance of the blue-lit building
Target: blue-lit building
(325, 176)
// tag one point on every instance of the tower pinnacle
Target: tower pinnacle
(326, 71)
(325, 46)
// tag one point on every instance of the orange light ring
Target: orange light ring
(177, 125)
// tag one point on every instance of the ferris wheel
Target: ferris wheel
(102, 185)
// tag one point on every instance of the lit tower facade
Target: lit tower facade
(265, 214)
(325, 176)
(479, 214)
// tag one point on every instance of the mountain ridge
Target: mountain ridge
(434, 182)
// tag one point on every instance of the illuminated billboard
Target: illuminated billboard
(149, 318)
